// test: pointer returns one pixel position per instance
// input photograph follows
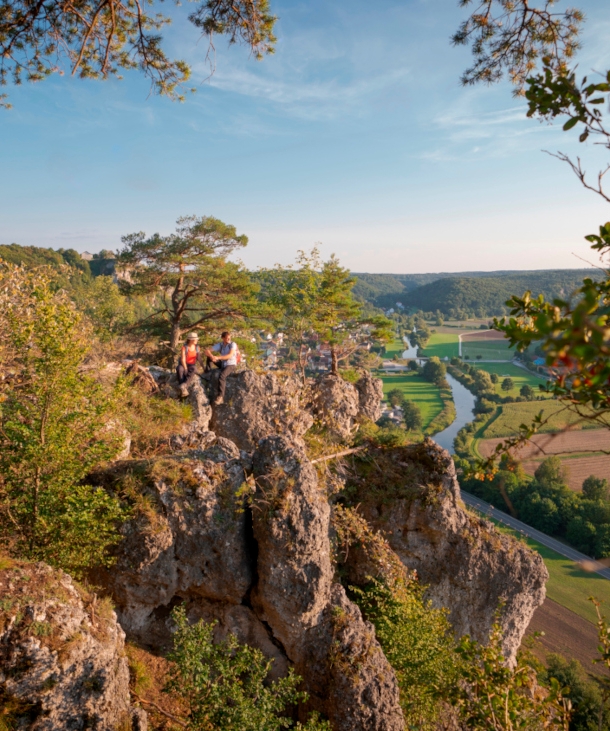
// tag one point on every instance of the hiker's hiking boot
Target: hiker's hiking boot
(184, 392)
(219, 401)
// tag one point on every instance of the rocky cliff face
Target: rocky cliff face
(62, 660)
(412, 495)
(323, 634)
(257, 406)
(236, 524)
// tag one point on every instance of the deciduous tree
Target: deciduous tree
(595, 488)
(411, 416)
(53, 429)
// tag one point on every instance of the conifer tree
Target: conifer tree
(189, 276)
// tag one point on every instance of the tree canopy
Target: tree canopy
(193, 284)
(100, 38)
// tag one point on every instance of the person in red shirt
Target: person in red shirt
(187, 362)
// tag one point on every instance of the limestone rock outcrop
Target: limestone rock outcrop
(370, 396)
(470, 568)
(188, 537)
(335, 403)
(62, 660)
(257, 406)
(333, 649)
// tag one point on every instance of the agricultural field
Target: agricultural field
(443, 345)
(520, 376)
(543, 445)
(508, 417)
(579, 467)
(487, 349)
(396, 347)
(425, 394)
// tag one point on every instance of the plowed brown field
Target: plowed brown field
(566, 633)
(483, 335)
(579, 468)
(568, 445)
(542, 445)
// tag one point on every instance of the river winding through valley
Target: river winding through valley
(464, 407)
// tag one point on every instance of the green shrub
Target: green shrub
(55, 426)
(224, 685)
(417, 641)
(495, 697)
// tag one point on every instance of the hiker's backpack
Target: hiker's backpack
(237, 353)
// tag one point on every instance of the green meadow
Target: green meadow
(443, 345)
(509, 417)
(487, 349)
(520, 376)
(396, 347)
(426, 395)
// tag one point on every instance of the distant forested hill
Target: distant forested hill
(33, 256)
(467, 294)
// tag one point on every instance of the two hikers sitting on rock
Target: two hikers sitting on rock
(223, 355)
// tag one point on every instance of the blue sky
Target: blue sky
(356, 134)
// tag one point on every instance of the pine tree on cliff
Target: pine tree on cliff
(342, 320)
(188, 274)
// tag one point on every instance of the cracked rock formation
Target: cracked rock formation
(62, 660)
(333, 649)
(471, 569)
(336, 405)
(257, 406)
(370, 396)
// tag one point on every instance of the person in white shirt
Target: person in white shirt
(224, 356)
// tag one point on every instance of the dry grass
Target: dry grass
(148, 677)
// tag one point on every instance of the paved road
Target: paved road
(557, 546)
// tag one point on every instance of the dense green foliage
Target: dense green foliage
(434, 371)
(411, 416)
(53, 430)
(469, 294)
(188, 274)
(461, 297)
(494, 697)
(313, 303)
(417, 640)
(546, 502)
(36, 256)
(224, 684)
(584, 694)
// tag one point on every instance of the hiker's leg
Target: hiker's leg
(209, 363)
(190, 372)
(222, 381)
(182, 373)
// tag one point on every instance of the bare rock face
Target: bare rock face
(291, 524)
(188, 537)
(370, 396)
(333, 649)
(469, 567)
(62, 660)
(200, 404)
(257, 406)
(336, 404)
